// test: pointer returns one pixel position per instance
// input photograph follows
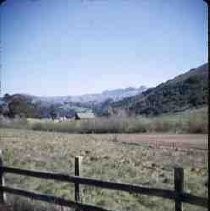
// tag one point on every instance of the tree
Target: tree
(2, 1)
(53, 113)
(6, 97)
(21, 106)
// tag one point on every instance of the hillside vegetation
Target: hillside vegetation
(189, 90)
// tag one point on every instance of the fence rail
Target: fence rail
(178, 194)
(52, 199)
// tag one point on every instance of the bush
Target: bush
(197, 123)
(13, 122)
(194, 121)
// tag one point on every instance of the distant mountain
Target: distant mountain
(34, 106)
(188, 90)
(115, 95)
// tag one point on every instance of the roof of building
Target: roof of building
(85, 115)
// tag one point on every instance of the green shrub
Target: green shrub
(193, 121)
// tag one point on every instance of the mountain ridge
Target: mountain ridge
(185, 91)
(115, 94)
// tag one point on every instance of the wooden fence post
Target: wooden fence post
(174, 145)
(179, 187)
(2, 194)
(78, 162)
(156, 144)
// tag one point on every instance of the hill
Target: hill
(186, 91)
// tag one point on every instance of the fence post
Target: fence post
(179, 187)
(156, 144)
(2, 194)
(78, 162)
(174, 145)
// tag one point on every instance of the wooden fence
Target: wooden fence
(178, 194)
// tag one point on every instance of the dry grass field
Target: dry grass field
(145, 159)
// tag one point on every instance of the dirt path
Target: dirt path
(169, 140)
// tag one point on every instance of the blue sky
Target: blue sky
(71, 47)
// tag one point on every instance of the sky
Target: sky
(73, 47)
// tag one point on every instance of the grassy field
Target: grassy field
(131, 158)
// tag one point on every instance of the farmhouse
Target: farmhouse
(84, 116)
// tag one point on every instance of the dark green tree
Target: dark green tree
(53, 112)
